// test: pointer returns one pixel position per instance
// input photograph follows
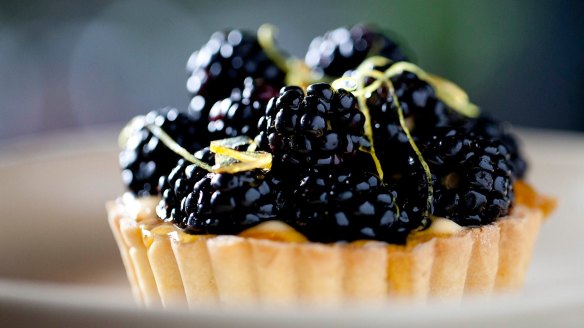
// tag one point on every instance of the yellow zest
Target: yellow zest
(266, 36)
(242, 156)
(297, 72)
(446, 90)
(252, 146)
(356, 86)
(261, 160)
(247, 160)
(232, 142)
(175, 147)
(425, 166)
(129, 129)
(450, 93)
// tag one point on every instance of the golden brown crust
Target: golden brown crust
(482, 269)
(129, 238)
(451, 263)
(231, 262)
(169, 268)
(114, 222)
(196, 272)
(275, 270)
(410, 269)
(518, 235)
(365, 277)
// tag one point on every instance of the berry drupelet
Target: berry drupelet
(433, 125)
(220, 203)
(239, 114)
(490, 128)
(423, 113)
(320, 129)
(145, 158)
(222, 65)
(473, 183)
(348, 206)
(344, 49)
(174, 187)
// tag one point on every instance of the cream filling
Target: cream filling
(143, 209)
(443, 226)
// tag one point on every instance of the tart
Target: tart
(386, 183)
(273, 264)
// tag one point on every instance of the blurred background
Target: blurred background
(76, 64)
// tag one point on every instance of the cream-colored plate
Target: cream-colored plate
(59, 264)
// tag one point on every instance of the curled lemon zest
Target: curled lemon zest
(240, 160)
(129, 129)
(242, 156)
(369, 63)
(297, 72)
(447, 91)
(252, 146)
(233, 161)
(428, 174)
(175, 147)
(453, 96)
(266, 36)
(232, 142)
(362, 100)
(346, 82)
(261, 161)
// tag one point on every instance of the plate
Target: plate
(59, 264)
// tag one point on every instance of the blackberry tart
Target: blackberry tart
(388, 184)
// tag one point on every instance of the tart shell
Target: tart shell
(169, 268)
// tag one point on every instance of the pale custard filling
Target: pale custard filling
(143, 211)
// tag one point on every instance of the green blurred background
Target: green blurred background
(74, 64)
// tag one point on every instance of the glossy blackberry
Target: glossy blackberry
(223, 63)
(228, 203)
(345, 206)
(320, 129)
(488, 127)
(473, 180)
(423, 112)
(175, 186)
(145, 158)
(344, 49)
(239, 114)
(411, 186)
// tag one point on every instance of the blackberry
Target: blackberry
(419, 102)
(145, 158)
(429, 120)
(344, 49)
(348, 206)
(174, 187)
(411, 185)
(473, 183)
(423, 113)
(319, 129)
(239, 114)
(488, 127)
(223, 63)
(220, 203)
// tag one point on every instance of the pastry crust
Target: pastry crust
(169, 268)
